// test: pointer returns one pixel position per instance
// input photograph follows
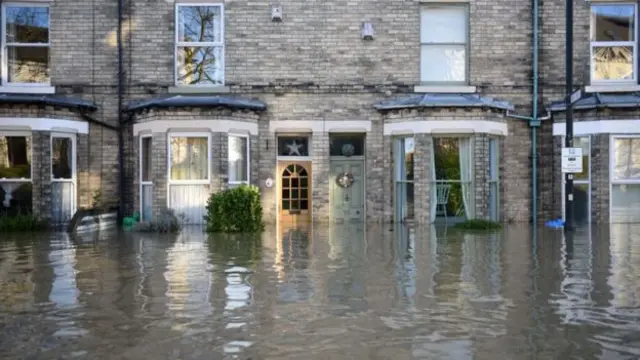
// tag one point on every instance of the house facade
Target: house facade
(373, 112)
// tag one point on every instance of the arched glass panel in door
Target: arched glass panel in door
(295, 188)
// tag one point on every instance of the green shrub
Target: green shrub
(236, 210)
(22, 222)
(477, 224)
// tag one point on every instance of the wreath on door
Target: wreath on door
(344, 180)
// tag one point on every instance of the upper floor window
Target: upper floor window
(25, 43)
(443, 44)
(199, 45)
(613, 43)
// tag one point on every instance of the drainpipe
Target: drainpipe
(120, 114)
(534, 120)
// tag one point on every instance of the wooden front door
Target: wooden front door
(295, 192)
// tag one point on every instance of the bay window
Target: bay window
(625, 179)
(613, 43)
(238, 159)
(25, 44)
(404, 150)
(443, 44)
(199, 48)
(189, 158)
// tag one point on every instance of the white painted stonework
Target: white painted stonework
(44, 124)
(599, 127)
(446, 127)
(224, 126)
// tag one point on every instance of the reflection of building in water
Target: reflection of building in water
(576, 284)
(17, 272)
(292, 264)
(345, 268)
(189, 277)
(625, 265)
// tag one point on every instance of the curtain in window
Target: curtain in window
(237, 159)
(189, 157)
(465, 174)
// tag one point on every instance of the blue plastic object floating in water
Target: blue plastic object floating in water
(555, 224)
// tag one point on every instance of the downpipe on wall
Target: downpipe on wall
(120, 114)
(534, 120)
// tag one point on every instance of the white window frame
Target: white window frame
(461, 5)
(140, 167)
(633, 44)
(612, 181)
(178, 44)
(399, 165)
(294, 158)
(206, 181)
(44, 87)
(586, 181)
(18, 134)
(248, 159)
(74, 155)
(494, 178)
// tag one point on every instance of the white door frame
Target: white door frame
(74, 157)
(142, 183)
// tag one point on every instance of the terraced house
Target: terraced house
(402, 110)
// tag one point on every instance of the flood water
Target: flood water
(339, 293)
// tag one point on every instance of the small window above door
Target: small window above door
(293, 146)
(346, 144)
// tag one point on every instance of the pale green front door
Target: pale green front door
(347, 198)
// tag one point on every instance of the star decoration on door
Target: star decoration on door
(294, 148)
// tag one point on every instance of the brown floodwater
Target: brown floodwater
(341, 292)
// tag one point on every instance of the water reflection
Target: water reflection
(338, 291)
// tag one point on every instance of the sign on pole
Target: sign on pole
(572, 160)
(575, 96)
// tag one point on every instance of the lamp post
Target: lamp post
(568, 201)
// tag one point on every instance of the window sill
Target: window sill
(612, 88)
(199, 90)
(444, 89)
(17, 89)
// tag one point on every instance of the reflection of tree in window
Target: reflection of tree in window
(14, 157)
(61, 158)
(27, 41)
(295, 188)
(200, 45)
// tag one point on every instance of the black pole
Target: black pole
(120, 117)
(568, 190)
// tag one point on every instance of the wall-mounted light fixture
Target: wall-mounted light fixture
(367, 31)
(276, 13)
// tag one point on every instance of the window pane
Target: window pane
(346, 144)
(238, 159)
(61, 158)
(199, 24)
(625, 203)
(28, 64)
(27, 24)
(612, 22)
(189, 158)
(581, 203)
(403, 159)
(612, 63)
(443, 63)
(146, 159)
(583, 143)
(446, 24)
(15, 157)
(405, 201)
(293, 146)
(626, 154)
(200, 65)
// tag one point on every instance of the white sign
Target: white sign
(572, 160)
(577, 95)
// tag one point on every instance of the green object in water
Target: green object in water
(128, 221)
(136, 216)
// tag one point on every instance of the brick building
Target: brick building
(338, 111)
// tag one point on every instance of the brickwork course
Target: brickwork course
(314, 66)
